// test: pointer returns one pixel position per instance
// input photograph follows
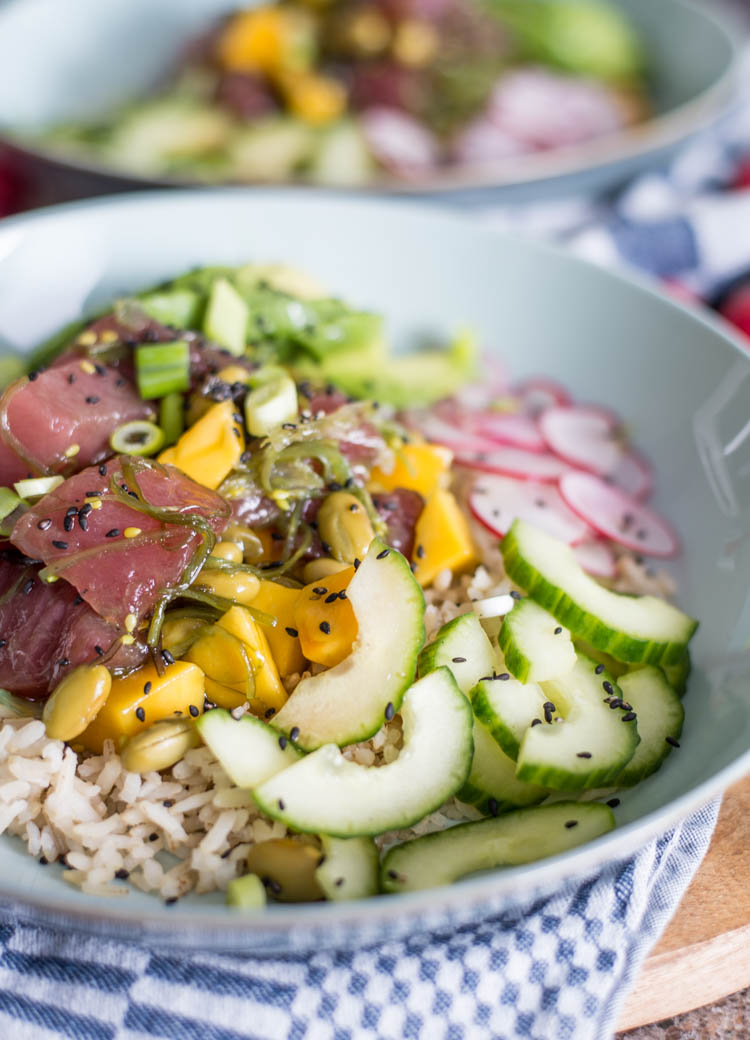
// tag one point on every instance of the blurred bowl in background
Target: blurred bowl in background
(68, 61)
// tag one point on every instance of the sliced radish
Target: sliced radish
(513, 462)
(597, 558)
(518, 430)
(443, 431)
(634, 475)
(618, 516)
(584, 436)
(538, 393)
(398, 142)
(497, 501)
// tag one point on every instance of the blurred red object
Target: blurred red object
(11, 186)
(742, 179)
(736, 307)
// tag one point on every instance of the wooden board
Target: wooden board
(704, 954)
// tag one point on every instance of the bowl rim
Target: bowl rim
(656, 134)
(213, 927)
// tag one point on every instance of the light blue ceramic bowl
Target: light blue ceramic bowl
(678, 380)
(67, 60)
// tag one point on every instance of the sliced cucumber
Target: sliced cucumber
(270, 150)
(226, 317)
(461, 645)
(534, 645)
(492, 785)
(507, 708)
(678, 674)
(325, 793)
(593, 743)
(248, 750)
(631, 628)
(518, 837)
(246, 893)
(660, 717)
(350, 868)
(348, 703)
(342, 156)
(178, 307)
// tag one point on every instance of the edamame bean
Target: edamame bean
(76, 701)
(160, 746)
(343, 524)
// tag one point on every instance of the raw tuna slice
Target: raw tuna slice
(71, 408)
(119, 559)
(618, 516)
(47, 630)
(497, 501)
(400, 509)
(584, 436)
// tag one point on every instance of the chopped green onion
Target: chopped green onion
(138, 437)
(37, 487)
(272, 400)
(172, 417)
(162, 368)
(226, 317)
(8, 502)
(11, 368)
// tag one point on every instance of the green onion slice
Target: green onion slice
(162, 368)
(37, 487)
(138, 437)
(172, 417)
(271, 401)
(8, 502)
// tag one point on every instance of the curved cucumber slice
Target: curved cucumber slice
(677, 674)
(660, 718)
(327, 794)
(347, 703)
(247, 749)
(592, 744)
(507, 708)
(492, 785)
(247, 892)
(350, 868)
(463, 646)
(518, 837)
(631, 628)
(535, 646)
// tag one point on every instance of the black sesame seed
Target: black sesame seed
(599, 669)
(103, 470)
(122, 874)
(672, 741)
(390, 711)
(382, 555)
(85, 509)
(64, 662)
(331, 597)
(282, 744)
(515, 595)
(583, 754)
(281, 804)
(276, 536)
(291, 631)
(320, 590)
(226, 853)
(33, 376)
(140, 714)
(294, 733)
(99, 651)
(147, 687)
(71, 378)
(83, 522)
(339, 882)
(3, 642)
(92, 399)
(571, 823)
(324, 627)
(357, 563)
(168, 803)
(28, 586)
(492, 806)
(335, 486)
(558, 630)
(458, 660)
(393, 874)
(58, 544)
(45, 524)
(613, 803)
(170, 901)
(615, 702)
(167, 657)
(420, 552)
(68, 523)
(194, 710)
(629, 716)
(608, 687)
(504, 676)
(78, 601)
(43, 860)
(153, 836)
(549, 710)
(71, 511)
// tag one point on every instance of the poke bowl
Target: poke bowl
(453, 96)
(304, 642)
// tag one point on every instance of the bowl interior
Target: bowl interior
(110, 53)
(680, 384)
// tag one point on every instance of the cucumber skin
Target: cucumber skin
(486, 715)
(631, 774)
(477, 829)
(434, 654)
(480, 796)
(582, 624)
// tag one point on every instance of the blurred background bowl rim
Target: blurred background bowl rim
(536, 169)
(211, 927)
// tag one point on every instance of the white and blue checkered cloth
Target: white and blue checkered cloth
(558, 969)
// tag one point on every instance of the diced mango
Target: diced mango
(210, 449)
(234, 374)
(441, 539)
(224, 659)
(315, 99)
(142, 698)
(267, 39)
(224, 696)
(279, 600)
(418, 466)
(268, 686)
(177, 633)
(271, 547)
(326, 630)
